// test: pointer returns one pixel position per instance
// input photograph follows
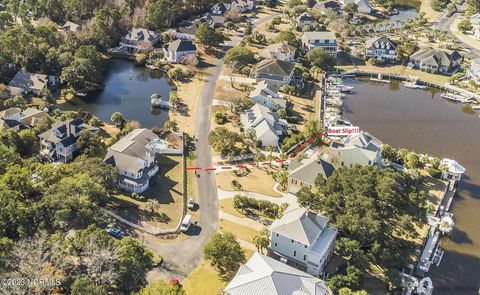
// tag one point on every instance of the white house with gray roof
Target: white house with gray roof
(304, 19)
(275, 71)
(444, 61)
(134, 156)
(26, 82)
(282, 51)
(474, 70)
(356, 149)
(303, 239)
(267, 276)
(363, 6)
(325, 40)
(380, 48)
(176, 51)
(267, 95)
(305, 168)
(19, 119)
(139, 40)
(267, 125)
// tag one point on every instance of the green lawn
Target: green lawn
(204, 280)
(240, 231)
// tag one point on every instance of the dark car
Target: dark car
(115, 232)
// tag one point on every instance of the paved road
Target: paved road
(183, 257)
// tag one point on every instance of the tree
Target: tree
(271, 3)
(152, 205)
(289, 37)
(162, 288)
(84, 285)
(90, 144)
(171, 125)
(237, 58)
(231, 26)
(134, 261)
(320, 58)
(465, 25)
(224, 141)
(207, 36)
(174, 99)
(282, 178)
(240, 104)
(350, 8)
(224, 252)
(262, 240)
(350, 279)
(161, 13)
(117, 118)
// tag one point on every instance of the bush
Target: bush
(435, 173)
(236, 185)
(267, 208)
(220, 118)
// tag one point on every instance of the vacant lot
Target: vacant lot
(257, 181)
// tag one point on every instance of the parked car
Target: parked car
(191, 204)
(115, 232)
(186, 222)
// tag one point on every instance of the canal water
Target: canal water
(422, 121)
(127, 90)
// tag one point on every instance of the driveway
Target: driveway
(181, 258)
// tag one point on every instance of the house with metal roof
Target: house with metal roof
(275, 71)
(134, 156)
(282, 51)
(58, 143)
(19, 119)
(302, 239)
(176, 51)
(267, 276)
(356, 149)
(444, 61)
(380, 48)
(267, 125)
(26, 82)
(325, 40)
(138, 40)
(267, 95)
(304, 170)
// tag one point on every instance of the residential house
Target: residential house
(215, 21)
(70, 27)
(267, 125)
(453, 171)
(220, 8)
(243, 5)
(356, 149)
(475, 22)
(139, 40)
(267, 95)
(304, 170)
(302, 239)
(134, 156)
(282, 51)
(264, 275)
(58, 143)
(26, 82)
(187, 32)
(364, 6)
(444, 61)
(324, 6)
(474, 70)
(275, 71)
(176, 51)
(19, 119)
(304, 19)
(380, 48)
(325, 40)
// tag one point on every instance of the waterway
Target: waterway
(422, 121)
(127, 90)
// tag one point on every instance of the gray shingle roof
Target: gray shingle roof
(275, 67)
(308, 170)
(378, 42)
(181, 45)
(436, 57)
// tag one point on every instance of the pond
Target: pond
(127, 90)
(422, 121)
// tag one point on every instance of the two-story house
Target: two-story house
(267, 95)
(139, 40)
(134, 156)
(19, 119)
(304, 169)
(282, 51)
(443, 61)
(302, 239)
(380, 48)
(58, 143)
(178, 50)
(26, 82)
(325, 40)
(275, 71)
(474, 71)
(267, 125)
(304, 19)
(363, 6)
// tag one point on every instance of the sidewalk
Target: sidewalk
(286, 197)
(238, 79)
(241, 221)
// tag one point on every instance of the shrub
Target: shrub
(435, 173)
(220, 118)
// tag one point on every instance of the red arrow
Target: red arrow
(227, 167)
(253, 163)
(210, 169)
(241, 166)
(194, 168)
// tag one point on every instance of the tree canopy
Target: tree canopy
(224, 252)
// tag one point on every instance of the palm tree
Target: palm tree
(174, 100)
(171, 125)
(117, 118)
(282, 178)
(262, 240)
(270, 149)
(152, 205)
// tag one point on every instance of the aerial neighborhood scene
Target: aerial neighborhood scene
(196, 147)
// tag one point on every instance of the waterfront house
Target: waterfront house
(70, 27)
(474, 71)
(302, 239)
(267, 95)
(325, 40)
(26, 82)
(19, 119)
(264, 275)
(453, 171)
(380, 48)
(436, 60)
(364, 6)
(134, 156)
(139, 40)
(275, 71)
(267, 125)
(58, 143)
(324, 6)
(356, 149)
(176, 51)
(305, 168)
(304, 19)
(282, 51)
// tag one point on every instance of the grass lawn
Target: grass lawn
(401, 70)
(305, 106)
(204, 280)
(249, 183)
(430, 14)
(240, 231)
(166, 187)
(226, 205)
(224, 89)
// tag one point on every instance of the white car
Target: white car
(186, 222)
(191, 204)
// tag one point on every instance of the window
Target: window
(292, 241)
(277, 234)
(275, 244)
(294, 253)
(304, 257)
(305, 246)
